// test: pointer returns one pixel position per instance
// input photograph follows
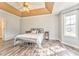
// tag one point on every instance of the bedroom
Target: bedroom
(48, 16)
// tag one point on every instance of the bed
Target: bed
(33, 36)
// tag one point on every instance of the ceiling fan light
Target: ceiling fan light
(26, 9)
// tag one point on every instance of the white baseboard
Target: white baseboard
(75, 46)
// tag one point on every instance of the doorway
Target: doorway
(2, 30)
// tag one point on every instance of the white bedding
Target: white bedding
(38, 38)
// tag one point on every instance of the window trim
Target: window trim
(69, 14)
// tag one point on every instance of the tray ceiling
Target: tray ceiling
(36, 8)
(32, 5)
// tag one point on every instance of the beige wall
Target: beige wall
(12, 24)
(49, 22)
(68, 39)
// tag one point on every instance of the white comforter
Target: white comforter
(38, 38)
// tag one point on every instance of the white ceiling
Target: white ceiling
(58, 6)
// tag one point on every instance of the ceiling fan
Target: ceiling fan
(24, 6)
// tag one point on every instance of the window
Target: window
(70, 25)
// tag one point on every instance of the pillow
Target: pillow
(34, 31)
(37, 30)
(41, 30)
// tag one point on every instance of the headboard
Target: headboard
(38, 30)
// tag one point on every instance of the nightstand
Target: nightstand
(46, 35)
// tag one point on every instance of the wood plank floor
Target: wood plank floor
(49, 48)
